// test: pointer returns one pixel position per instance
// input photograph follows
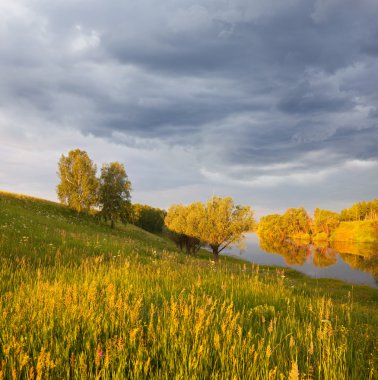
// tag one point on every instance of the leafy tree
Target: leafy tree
(271, 227)
(217, 223)
(78, 187)
(181, 221)
(149, 218)
(225, 223)
(325, 221)
(114, 194)
(296, 221)
(361, 211)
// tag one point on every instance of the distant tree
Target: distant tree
(218, 223)
(114, 194)
(325, 221)
(78, 187)
(361, 211)
(296, 221)
(271, 227)
(149, 218)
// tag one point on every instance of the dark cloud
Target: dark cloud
(303, 99)
(251, 89)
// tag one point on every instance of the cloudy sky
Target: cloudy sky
(274, 102)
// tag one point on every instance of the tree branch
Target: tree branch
(225, 246)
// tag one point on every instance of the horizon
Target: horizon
(310, 213)
(272, 104)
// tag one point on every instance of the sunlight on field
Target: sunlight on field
(79, 300)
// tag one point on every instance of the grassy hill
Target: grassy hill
(79, 300)
(365, 231)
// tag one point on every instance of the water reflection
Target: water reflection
(293, 254)
(355, 263)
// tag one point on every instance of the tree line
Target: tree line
(361, 211)
(217, 223)
(295, 223)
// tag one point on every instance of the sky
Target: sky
(272, 102)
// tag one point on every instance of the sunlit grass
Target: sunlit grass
(358, 231)
(79, 300)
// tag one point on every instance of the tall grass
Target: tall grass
(79, 300)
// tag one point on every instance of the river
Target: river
(353, 263)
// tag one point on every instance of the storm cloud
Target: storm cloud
(274, 103)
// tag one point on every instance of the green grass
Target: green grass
(79, 300)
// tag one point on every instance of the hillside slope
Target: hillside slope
(365, 231)
(79, 300)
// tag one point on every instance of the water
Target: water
(353, 263)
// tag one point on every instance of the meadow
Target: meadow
(82, 301)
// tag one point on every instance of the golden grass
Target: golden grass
(81, 301)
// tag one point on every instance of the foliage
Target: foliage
(295, 223)
(271, 227)
(217, 223)
(361, 211)
(114, 194)
(326, 225)
(149, 218)
(78, 300)
(78, 187)
(325, 221)
(181, 223)
(320, 237)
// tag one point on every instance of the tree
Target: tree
(218, 223)
(114, 194)
(149, 218)
(271, 227)
(78, 187)
(361, 211)
(296, 221)
(325, 221)
(181, 225)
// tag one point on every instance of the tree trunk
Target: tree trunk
(215, 249)
(111, 223)
(188, 246)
